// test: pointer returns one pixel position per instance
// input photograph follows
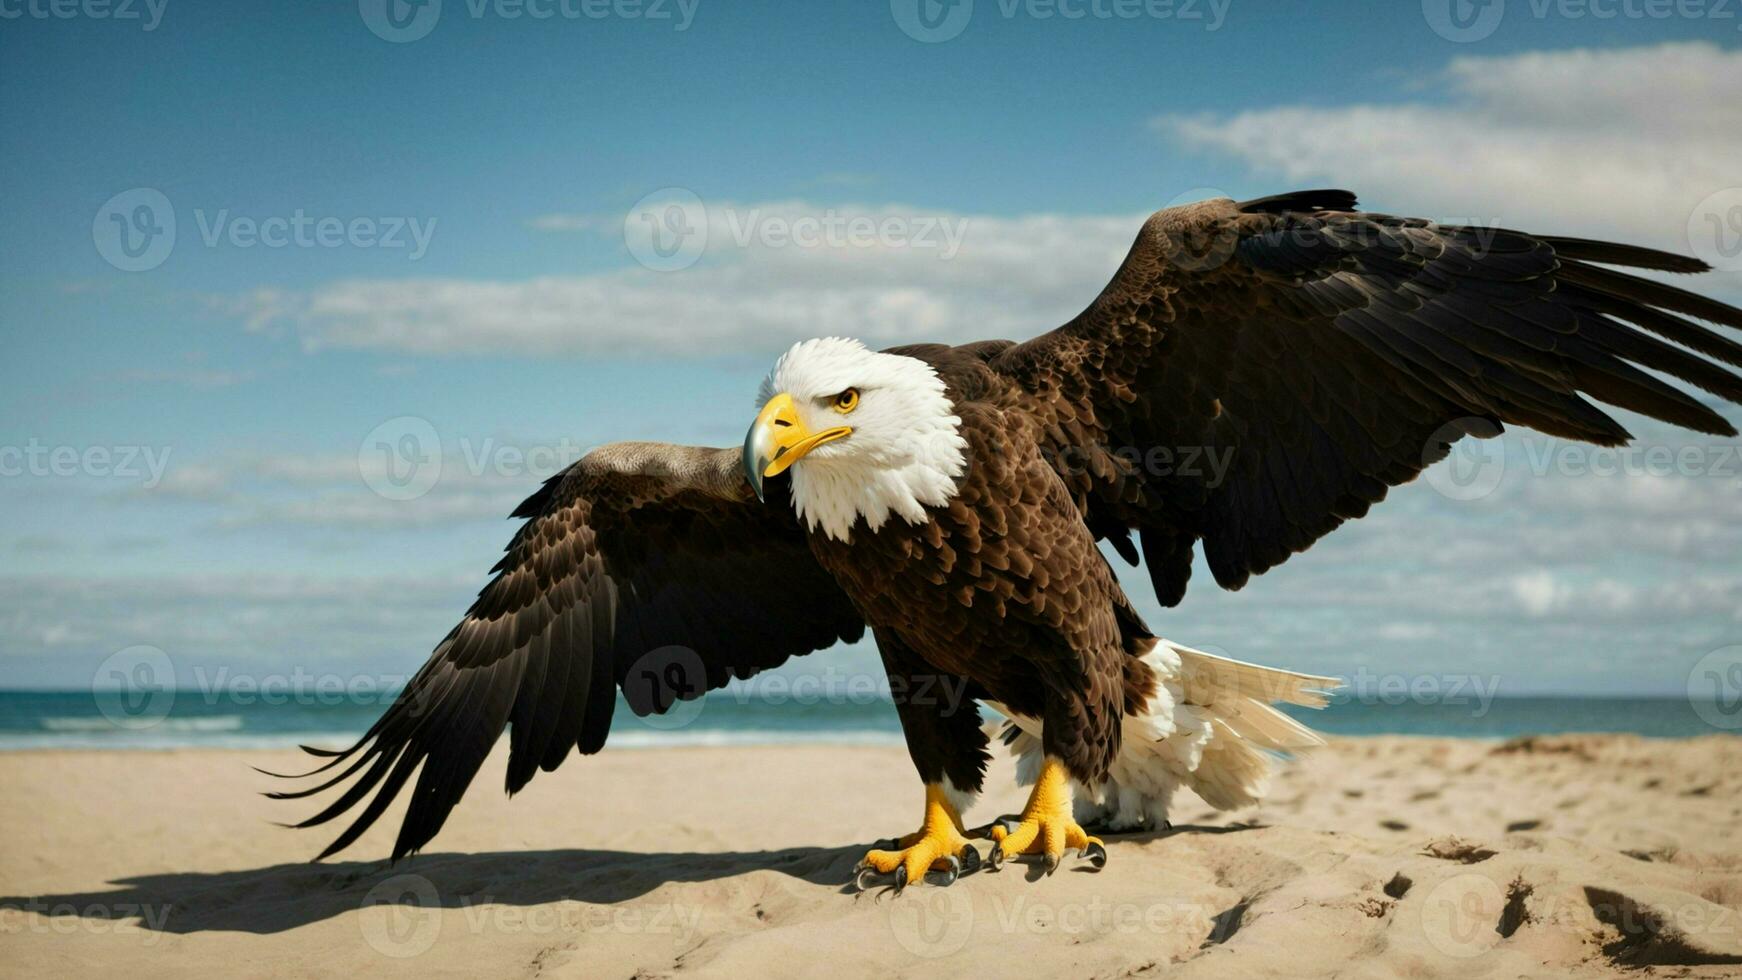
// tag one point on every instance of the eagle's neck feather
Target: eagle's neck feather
(831, 498)
(831, 495)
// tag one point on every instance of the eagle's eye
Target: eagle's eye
(846, 401)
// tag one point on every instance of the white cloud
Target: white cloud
(1623, 143)
(940, 277)
(1538, 592)
(480, 481)
(560, 221)
(188, 377)
(268, 618)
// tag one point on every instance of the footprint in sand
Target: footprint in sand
(1454, 849)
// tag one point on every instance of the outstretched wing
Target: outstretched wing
(1256, 374)
(646, 566)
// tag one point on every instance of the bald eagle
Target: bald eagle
(952, 499)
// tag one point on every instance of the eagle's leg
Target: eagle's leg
(1045, 826)
(940, 720)
(938, 845)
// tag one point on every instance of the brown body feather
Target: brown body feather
(1003, 587)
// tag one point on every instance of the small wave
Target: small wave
(752, 736)
(158, 741)
(165, 737)
(86, 723)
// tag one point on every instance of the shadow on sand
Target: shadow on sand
(285, 896)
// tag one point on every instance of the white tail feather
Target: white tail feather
(1210, 726)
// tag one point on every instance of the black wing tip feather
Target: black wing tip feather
(1630, 256)
(539, 501)
(1322, 199)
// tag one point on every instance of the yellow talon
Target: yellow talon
(1045, 826)
(937, 845)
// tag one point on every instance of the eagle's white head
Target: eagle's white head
(864, 434)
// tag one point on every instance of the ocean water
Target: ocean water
(165, 719)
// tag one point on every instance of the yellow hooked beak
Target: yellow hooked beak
(779, 439)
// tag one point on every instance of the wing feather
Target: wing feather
(636, 548)
(1333, 353)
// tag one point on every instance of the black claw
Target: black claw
(954, 872)
(1052, 863)
(1166, 825)
(970, 859)
(860, 874)
(1096, 853)
(996, 858)
(900, 879)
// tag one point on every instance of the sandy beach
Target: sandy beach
(1574, 855)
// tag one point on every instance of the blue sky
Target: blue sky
(525, 323)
